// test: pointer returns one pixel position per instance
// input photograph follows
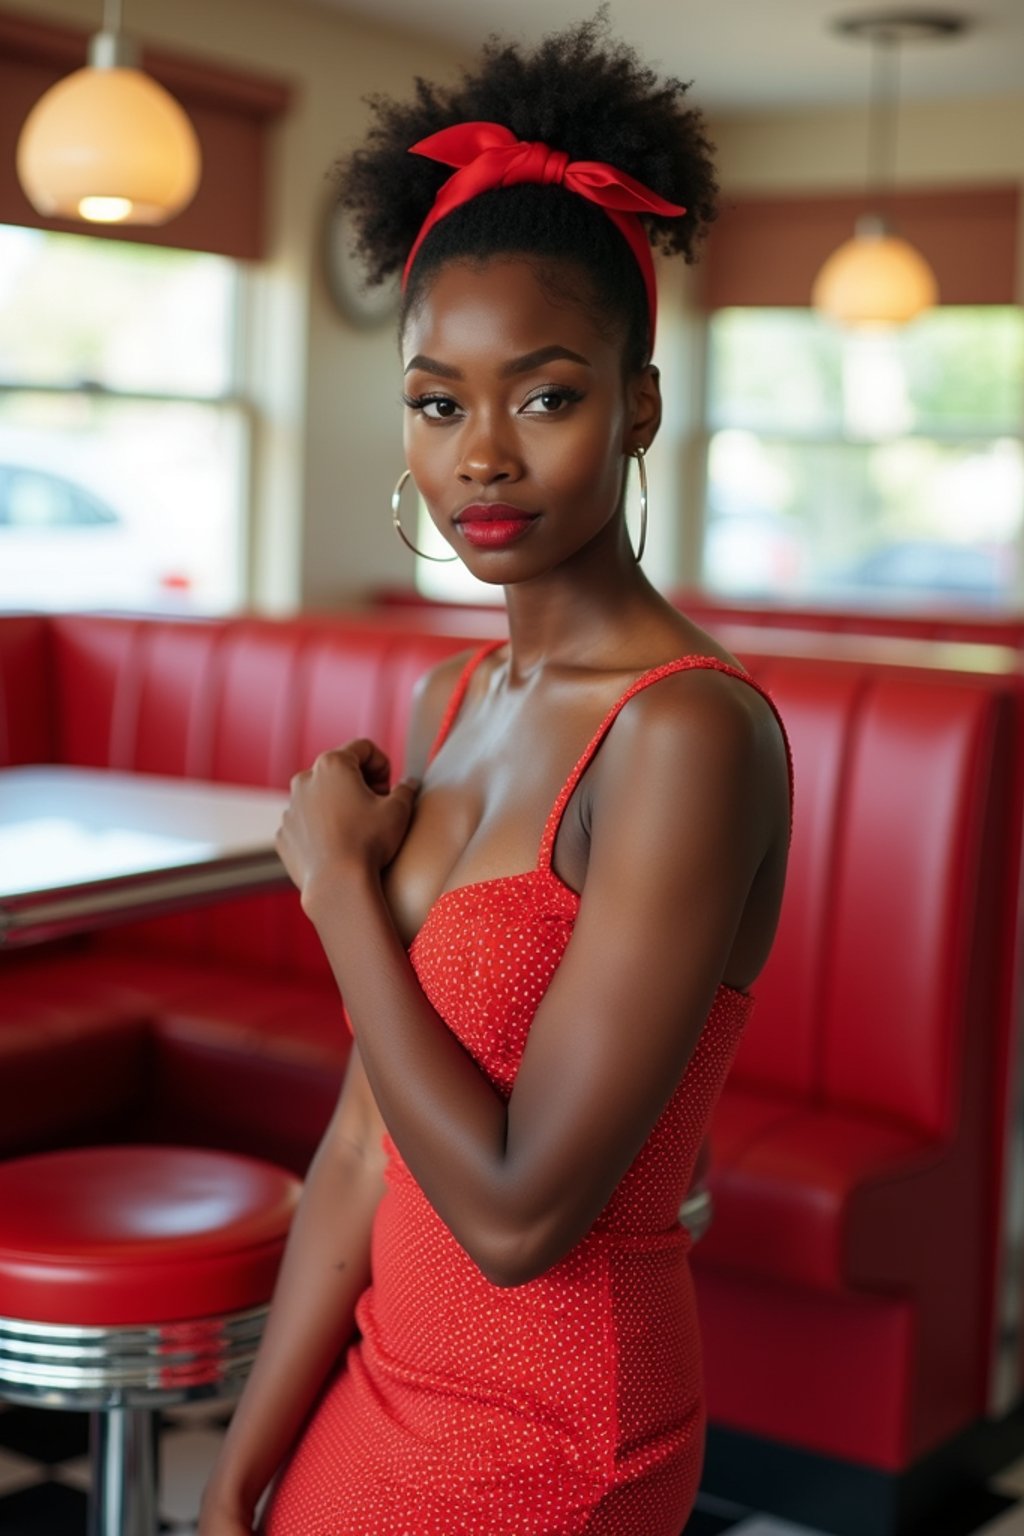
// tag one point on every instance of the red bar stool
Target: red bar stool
(132, 1277)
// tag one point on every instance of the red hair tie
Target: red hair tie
(488, 155)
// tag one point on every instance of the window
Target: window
(123, 441)
(866, 467)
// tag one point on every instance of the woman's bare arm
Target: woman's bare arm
(326, 1263)
(691, 800)
(325, 1268)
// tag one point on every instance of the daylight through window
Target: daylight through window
(123, 440)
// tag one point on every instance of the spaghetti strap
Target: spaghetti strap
(459, 693)
(681, 664)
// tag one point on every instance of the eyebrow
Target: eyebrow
(524, 364)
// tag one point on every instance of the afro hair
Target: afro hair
(578, 90)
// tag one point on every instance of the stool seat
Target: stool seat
(133, 1277)
(125, 1235)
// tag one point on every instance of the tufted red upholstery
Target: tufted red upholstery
(846, 1281)
(246, 702)
(857, 1147)
(27, 718)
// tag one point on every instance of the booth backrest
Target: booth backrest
(936, 621)
(903, 875)
(901, 887)
(247, 701)
(27, 714)
(966, 626)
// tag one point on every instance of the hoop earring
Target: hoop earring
(396, 508)
(638, 454)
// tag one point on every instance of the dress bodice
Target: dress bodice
(487, 951)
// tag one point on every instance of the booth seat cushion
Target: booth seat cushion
(110, 1038)
(744, 1113)
(119, 980)
(144, 1234)
(229, 1083)
(794, 1196)
(69, 1072)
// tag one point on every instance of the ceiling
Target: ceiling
(750, 55)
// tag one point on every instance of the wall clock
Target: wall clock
(357, 302)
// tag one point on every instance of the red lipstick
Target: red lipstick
(492, 525)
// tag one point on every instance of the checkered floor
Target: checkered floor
(44, 1475)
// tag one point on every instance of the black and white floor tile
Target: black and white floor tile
(44, 1476)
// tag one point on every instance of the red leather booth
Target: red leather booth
(968, 624)
(848, 1281)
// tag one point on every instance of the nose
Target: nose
(488, 456)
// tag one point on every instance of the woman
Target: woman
(545, 934)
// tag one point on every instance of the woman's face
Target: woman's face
(518, 419)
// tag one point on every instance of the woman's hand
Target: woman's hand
(219, 1517)
(342, 814)
(219, 1522)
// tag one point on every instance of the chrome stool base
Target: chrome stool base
(122, 1494)
(121, 1374)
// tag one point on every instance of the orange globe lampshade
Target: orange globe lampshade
(108, 145)
(876, 278)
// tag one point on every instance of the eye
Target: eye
(552, 400)
(433, 407)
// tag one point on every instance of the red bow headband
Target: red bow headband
(489, 155)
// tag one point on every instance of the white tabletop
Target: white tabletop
(81, 847)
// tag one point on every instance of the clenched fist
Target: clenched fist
(343, 813)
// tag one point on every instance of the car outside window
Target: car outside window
(124, 439)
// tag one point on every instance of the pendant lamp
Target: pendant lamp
(108, 144)
(877, 278)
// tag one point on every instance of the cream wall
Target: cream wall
(327, 448)
(940, 143)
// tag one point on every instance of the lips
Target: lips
(490, 525)
(492, 512)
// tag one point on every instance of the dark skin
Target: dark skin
(676, 837)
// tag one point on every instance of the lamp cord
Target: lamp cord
(885, 69)
(112, 16)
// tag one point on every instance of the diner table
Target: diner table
(81, 848)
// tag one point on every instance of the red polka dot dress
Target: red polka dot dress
(571, 1405)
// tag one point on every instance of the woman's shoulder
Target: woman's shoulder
(697, 754)
(708, 724)
(697, 694)
(694, 705)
